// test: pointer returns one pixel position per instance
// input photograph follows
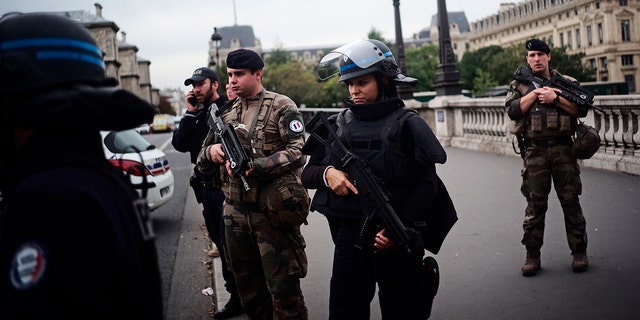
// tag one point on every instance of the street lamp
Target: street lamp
(216, 37)
(404, 91)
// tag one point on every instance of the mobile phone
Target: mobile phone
(193, 101)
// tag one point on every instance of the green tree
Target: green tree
(294, 80)
(377, 34)
(278, 56)
(472, 61)
(422, 64)
(571, 64)
(483, 82)
(497, 64)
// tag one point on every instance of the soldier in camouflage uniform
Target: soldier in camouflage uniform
(546, 123)
(263, 243)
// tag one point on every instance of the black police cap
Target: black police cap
(200, 74)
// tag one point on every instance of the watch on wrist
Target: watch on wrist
(556, 100)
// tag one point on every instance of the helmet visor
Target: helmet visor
(361, 54)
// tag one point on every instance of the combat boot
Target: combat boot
(231, 309)
(532, 263)
(580, 261)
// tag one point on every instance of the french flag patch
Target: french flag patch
(28, 266)
(296, 126)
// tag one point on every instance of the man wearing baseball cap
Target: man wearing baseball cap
(265, 247)
(189, 137)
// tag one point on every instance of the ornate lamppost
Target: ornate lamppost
(404, 91)
(447, 76)
(216, 37)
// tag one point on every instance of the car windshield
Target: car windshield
(126, 141)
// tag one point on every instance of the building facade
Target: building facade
(606, 31)
(121, 58)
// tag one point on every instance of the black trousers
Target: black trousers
(356, 272)
(213, 205)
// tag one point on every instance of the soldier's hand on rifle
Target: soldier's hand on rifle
(227, 165)
(216, 153)
(382, 242)
(339, 182)
(547, 95)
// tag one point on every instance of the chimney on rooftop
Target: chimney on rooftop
(98, 9)
(123, 36)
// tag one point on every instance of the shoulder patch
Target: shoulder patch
(296, 126)
(27, 266)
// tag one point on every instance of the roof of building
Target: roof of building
(244, 34)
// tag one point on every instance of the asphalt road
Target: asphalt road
(480, 260)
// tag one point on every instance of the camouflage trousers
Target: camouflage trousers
(542, 166)
(267, 264)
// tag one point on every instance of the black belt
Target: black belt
(207, 185)
(565, 141)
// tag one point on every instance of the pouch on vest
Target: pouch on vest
(286, 201)
(586, 142)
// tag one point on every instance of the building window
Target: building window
(603, 63)
(627, 60)
(631, 82)
(589, 36)
(625, 30)
(578, 40)
(600, 33)
(592, 64)
(569, 40)
(561, 39)
(623, 3)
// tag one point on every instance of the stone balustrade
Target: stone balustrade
(482, 124)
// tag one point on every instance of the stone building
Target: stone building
(121, 58)
(606, 31)
(232, 38)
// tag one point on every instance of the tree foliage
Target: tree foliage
(495, 65)
(480, 71)
(422, 64)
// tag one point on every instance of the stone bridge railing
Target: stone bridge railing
(482, 124)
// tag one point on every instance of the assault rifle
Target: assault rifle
(233, 150)
(372, 196)
(570, 90)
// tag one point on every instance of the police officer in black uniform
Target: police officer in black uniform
(75, 238)
(191, 132)
(402, 151)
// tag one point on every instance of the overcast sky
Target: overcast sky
(174, 34)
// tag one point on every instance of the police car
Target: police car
(128, 150)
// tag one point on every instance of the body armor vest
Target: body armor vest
(377, 142)
(545, 120)
(253, 139)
